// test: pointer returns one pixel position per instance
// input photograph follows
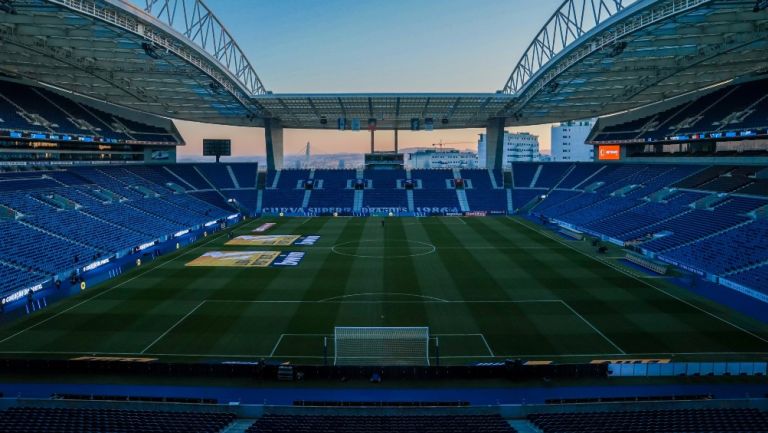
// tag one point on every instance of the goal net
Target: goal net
(381, 345)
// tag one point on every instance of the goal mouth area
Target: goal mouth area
(381, 345)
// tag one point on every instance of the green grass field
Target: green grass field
(488, 288)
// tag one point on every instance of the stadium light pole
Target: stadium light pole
(372, 140)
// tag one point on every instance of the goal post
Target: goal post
(381, 345)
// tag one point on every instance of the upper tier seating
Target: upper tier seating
(731, 108)
(40, 110)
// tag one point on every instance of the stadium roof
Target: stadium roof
(174, 58)
(647, 52)
(395, 110)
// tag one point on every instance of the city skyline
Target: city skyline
(300, 46)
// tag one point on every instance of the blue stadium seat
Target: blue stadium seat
(272, 423)
(654, 421)
(76, 420)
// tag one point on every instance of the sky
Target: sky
(311, 46)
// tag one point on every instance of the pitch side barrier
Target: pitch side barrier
(375, 212)
(268, 371)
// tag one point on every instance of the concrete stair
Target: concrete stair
(238, 426)
(205, 178)
(181, 179)
(276, 179)
(523, 426)
(232, 176)
(357, 205)
(463, 203)
(536, 176)
(494, 184)
(583, 182)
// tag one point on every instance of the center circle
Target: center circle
(381, 249)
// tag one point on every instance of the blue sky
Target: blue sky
(377, 46)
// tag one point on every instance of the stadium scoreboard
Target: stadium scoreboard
(217, 147)
(393, 160)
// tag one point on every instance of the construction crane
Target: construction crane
(440, 144)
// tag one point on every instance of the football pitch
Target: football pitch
(487, 288)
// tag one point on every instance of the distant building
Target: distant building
(518, 146)
(568, 141)
(341, 164)
(448, 158)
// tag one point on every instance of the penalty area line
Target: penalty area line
(487, 346)
(384, 294)
(593, 327)
(619, 269)
(178, 322)
(274, 348)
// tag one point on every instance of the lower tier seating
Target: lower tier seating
(381, 424)
(36, 420)
(655, 421)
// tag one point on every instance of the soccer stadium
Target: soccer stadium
(623, 292)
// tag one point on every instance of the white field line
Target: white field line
(476, 334)
(436, 301)
(594, 328)
(432, 298)
(277, 343)
(213, 238)
(645, 282)
(178, 322)
(487, 346)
